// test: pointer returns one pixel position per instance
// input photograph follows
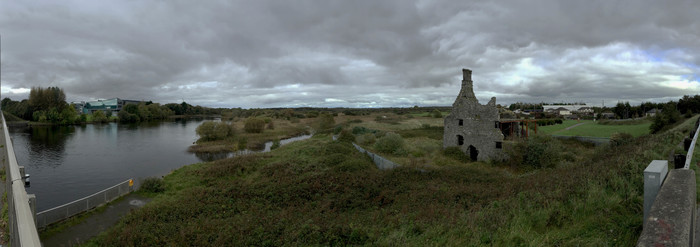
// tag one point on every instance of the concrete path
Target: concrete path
(568, 128)
(96, 223)
(574, 126)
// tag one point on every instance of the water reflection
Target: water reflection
(47, 143)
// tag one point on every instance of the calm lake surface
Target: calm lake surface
(70, 162)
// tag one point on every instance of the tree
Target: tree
(99, 117)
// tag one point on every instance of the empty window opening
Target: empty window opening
(498, 125)
(499, 145)
(461, 122)
(460, 140)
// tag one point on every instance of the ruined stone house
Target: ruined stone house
(473, 127)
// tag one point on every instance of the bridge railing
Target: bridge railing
(23, 231)
(671, 219)
(65, 211)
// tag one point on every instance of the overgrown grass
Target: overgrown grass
(320, 192)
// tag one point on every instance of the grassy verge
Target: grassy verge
(320, 192)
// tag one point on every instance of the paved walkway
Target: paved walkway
(96, 223)
(568, 128)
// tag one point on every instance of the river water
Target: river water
(70, 162)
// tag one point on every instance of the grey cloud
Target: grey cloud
(358, 52)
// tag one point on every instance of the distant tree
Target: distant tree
(99, 117)
(69, 115)
(436, 113)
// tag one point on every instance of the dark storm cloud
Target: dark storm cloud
(351, 53)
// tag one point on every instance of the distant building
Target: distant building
(78, 105)
(607, 115)
(585, 111)
(652, 112)
(113, 105)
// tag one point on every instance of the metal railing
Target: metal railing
(65, 211)
(23, 231)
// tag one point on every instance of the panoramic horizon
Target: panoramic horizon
(351, 54)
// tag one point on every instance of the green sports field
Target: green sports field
(593, 129)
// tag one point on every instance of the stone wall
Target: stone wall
(473, 127)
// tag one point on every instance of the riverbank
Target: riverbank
(322, 192)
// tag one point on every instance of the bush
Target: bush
(337, 129)
(618, 139)
(99, 117)
(456, 153)
(436, 114)
(275, 144)
(153, 185)
(366, 139)
(346, 136)
(212, 131)
(271, 125)
(539, 151)
(326, 122)
(254, 125)
(389, 143)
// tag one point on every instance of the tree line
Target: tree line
(48, 105)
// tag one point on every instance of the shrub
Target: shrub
(337, 129)
(346, 136)
(366, 139)
(389, 143)
(326, 122)
(99, 117)
(436, 113)
(271, 125)
(456, 153)
(539, 151)
(275, 144)
(212, 131)
(153, 185)
(254, 125)
(618, 139)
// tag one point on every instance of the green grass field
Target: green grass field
(592, 129)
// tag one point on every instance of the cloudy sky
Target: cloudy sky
(352, 53)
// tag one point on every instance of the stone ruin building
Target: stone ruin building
(473, 127)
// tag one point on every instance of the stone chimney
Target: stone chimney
(467, 90)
